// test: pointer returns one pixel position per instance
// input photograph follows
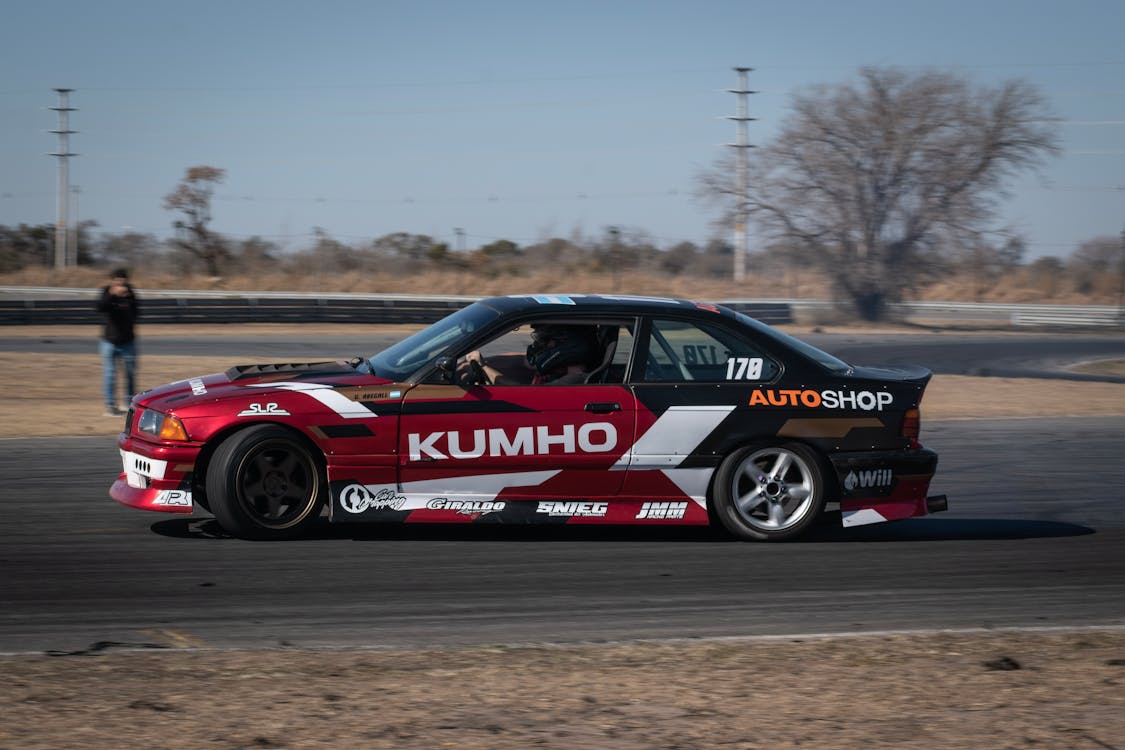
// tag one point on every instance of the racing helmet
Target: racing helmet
(556, 346)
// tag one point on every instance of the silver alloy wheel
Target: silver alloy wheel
(773, 489)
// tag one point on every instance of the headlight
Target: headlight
(163, 426)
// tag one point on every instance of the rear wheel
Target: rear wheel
(264, 482)
(770, 492)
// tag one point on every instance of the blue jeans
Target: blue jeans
(111, 353)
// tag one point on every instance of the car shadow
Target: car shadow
(909, 530)
(932, 529)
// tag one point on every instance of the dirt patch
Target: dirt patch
(1003, 690)
(1101, 367)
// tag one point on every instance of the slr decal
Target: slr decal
(592, 437)
(861, 400)
(197, 387)
(262, 410)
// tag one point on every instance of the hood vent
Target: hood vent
(243, 372)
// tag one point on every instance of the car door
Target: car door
(520, 442)
(693, 382)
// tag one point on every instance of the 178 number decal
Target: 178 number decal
(744, 368)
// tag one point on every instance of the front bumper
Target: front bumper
(155, 477)
(879, 486)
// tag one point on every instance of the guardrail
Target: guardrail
(1015, 314)
(57, 306)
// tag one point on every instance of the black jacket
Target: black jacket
(120, 315)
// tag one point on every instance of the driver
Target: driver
(558, 355)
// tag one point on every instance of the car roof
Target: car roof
(599, 303)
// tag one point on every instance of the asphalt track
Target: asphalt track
(1035, 537)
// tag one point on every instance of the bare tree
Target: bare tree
(192, 198)
(873, 178)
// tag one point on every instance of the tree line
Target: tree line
(883, 186)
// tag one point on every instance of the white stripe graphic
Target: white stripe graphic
(480, 486)
(861, 517)
(326, 395)
(674, 436)
(692, 482)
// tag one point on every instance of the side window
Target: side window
(586, 359)
(680, 351)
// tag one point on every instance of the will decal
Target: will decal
(869, 479)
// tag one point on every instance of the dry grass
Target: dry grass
(1016, 287)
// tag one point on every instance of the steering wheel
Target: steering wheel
(474, 374)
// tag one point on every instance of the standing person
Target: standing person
(118, 305)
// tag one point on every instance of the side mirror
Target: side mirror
(447, 366)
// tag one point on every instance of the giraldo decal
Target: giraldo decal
(592, 437)
(861, 400)
(466, 507)
(355, 498)
(262, 410)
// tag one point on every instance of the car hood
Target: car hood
(260, 380)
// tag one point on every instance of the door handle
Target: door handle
(603, 407)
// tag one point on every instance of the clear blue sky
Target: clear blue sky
(516, 120)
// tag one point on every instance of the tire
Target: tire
(264, 482)
(770, 492)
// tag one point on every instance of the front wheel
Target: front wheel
(265, 483)
(769, 493)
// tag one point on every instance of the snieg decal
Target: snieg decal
(355, 498)
(856, 400)
(592, 437)
(574, 509)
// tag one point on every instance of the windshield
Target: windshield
(824, 359)
(409, 355)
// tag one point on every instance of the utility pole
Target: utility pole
(72, 247)
(741, 187)
(1121, 284)
(615, 256)
(62, 215)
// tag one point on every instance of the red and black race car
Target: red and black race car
(581, 409)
